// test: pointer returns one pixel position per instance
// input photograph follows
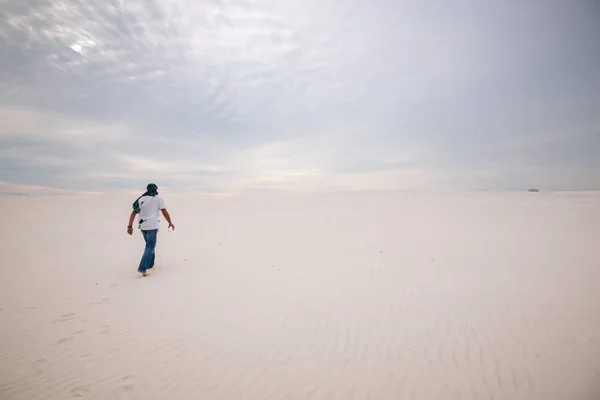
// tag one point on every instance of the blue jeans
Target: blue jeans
(147, 261)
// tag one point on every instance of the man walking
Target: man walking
(148, 206)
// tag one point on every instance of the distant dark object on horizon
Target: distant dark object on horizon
(533, 190)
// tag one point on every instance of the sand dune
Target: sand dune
(403, 296)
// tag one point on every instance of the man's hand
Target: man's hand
(130, 223)
(168, 218)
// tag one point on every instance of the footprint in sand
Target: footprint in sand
(65, 340)
(67, 317)
(80, 390)
(99, 303)
(69, 338)
(39, 362)
(37, 366)
(127, 383)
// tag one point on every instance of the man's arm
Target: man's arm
(130, 224)
(167, 217)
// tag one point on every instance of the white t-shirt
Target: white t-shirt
(150, 207)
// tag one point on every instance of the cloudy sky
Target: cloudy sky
(227, 96)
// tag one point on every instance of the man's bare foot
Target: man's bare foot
(144, 273)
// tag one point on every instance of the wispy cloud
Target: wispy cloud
(15, 189)
(300, 95)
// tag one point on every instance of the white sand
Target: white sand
(404, 296)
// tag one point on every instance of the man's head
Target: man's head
(152, 189)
